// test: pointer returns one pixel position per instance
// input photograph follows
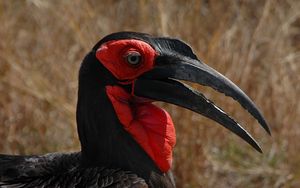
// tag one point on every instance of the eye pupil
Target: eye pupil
(134, 58)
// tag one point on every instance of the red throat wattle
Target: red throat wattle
(150, 126)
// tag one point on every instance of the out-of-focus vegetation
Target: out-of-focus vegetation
(255, 43)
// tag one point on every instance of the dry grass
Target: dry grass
(255, 43)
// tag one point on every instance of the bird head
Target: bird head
(135, 69)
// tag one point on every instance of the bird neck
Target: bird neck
(104, 142)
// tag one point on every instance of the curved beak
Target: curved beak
(161, 84)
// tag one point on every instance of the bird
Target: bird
(127, 140)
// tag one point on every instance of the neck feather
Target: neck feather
(104, 142)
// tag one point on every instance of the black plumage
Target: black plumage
(61, 170)
(110, 156)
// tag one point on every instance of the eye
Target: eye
(134, 58)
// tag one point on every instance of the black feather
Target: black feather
(61, 170)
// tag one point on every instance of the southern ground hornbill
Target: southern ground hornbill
(126, 141)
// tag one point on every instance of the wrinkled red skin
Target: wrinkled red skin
(112, 55)
(150, 126)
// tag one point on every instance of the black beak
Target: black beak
(161, 84)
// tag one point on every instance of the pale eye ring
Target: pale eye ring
(134, 58)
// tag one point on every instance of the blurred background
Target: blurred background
(255, 43)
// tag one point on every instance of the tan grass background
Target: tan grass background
(255, 43)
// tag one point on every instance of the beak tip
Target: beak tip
(258, 148)
(266, 127)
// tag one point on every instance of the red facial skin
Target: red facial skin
(113, 56)
(150, 126)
